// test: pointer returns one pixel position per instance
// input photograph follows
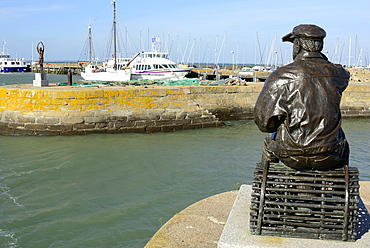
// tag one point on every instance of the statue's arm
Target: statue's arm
(269, 112)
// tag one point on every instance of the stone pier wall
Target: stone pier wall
(68, 111)
(28, 110)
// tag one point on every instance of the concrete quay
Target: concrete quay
(223, 221)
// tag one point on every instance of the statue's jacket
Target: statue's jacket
(301, 103)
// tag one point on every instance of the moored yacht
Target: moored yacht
(153, 65)
(156, 65)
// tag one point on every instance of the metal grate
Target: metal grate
(305, 203)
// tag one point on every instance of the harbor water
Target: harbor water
(116, 190)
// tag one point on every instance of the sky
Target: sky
(192, 31)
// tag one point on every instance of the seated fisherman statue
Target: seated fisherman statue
(299, 106)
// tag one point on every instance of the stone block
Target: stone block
(113, 130)
(73, 132)
(182, 121)
(192, 126)
(164, 122)
(40, 80)
(210, 124)
(95, 119)
(26, 119)
(193, 108)
(59, 127)
(172, 128)
(35, 126)
(152, 129)
(168, 116)
(132, 129)
(5, 130)
(117, 119)
(124, 124)
(81, 114)
(71, 120)
(48, 120)
(101, 126)
(181, 115)
(10, 116)
(82, 126)
(144, 123)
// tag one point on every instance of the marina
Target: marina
(152, 142)
(209, 72)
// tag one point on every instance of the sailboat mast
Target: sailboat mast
(90, 45)
(114, 35)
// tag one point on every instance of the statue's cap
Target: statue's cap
(305, 30)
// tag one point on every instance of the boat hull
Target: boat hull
(14, 69)
(160, 75)
(119, 75)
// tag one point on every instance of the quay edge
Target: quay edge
(69, 110)
(222, 221)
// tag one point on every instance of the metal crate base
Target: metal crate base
(304, 204)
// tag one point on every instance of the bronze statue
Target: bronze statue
(299, 106)
(40, 50)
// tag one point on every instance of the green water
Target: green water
(115, 190)
(28, 77)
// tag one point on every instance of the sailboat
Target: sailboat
(111, 70)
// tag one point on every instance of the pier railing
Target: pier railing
(60, 68)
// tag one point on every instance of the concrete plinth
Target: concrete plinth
(236, 233)
(40, 80)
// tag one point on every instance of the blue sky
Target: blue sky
(192, 31)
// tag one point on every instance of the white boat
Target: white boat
(152, 65)
(156, 65)
(8, 64)
(111, 70)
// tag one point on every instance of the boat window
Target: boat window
(150, 55)
(13, 63)
(165, 66)
(149, 67)
(5, 63)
